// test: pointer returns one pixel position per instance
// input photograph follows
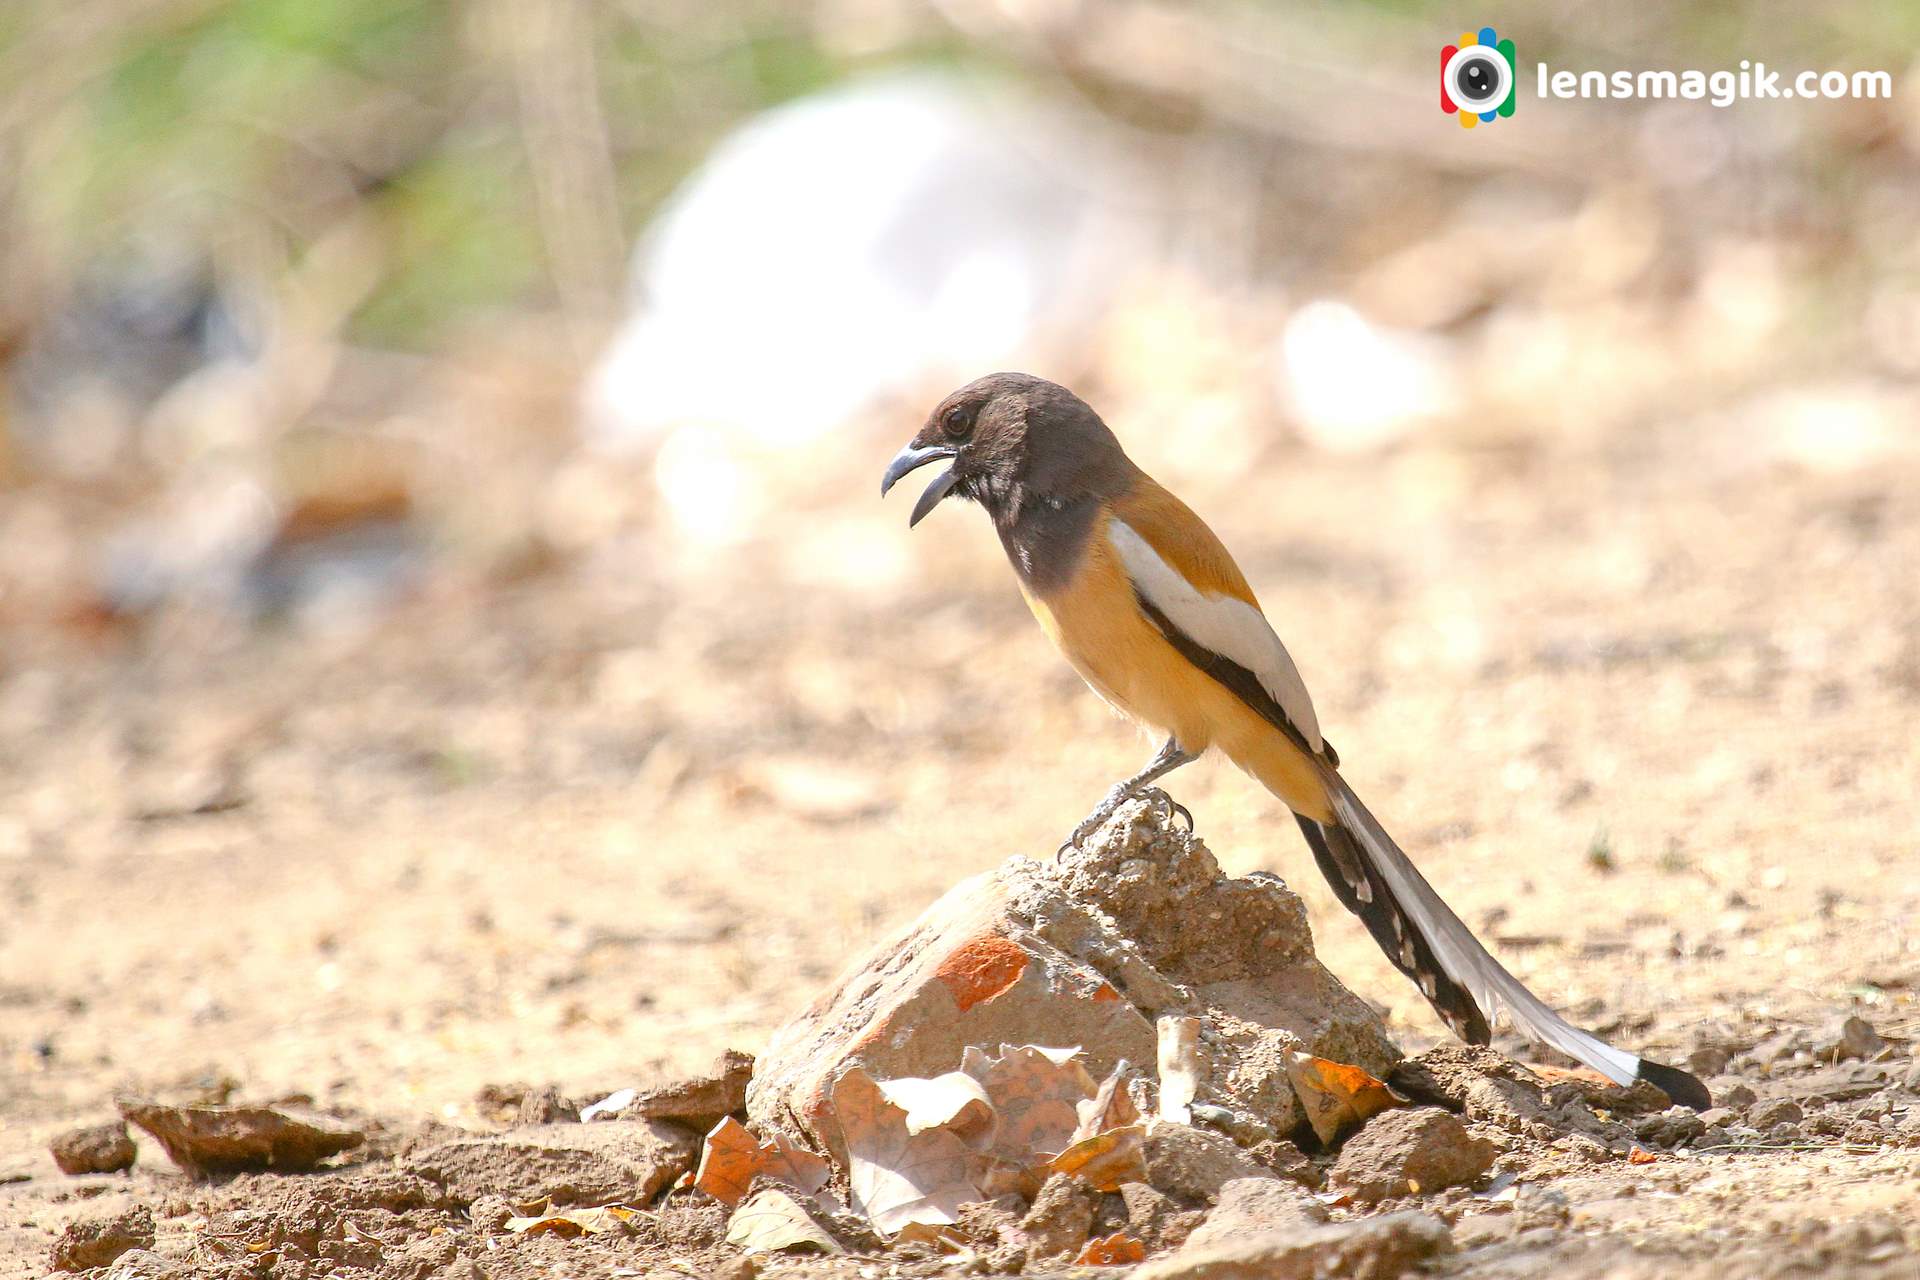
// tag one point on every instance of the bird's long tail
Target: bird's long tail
(1434, 947)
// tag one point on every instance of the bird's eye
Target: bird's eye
(957, 421)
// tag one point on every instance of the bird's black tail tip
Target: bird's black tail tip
(1678, 1085)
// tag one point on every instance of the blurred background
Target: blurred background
(448, 629)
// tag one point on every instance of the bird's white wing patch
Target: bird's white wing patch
(1231, 628)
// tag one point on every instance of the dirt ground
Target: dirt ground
(1643, 709)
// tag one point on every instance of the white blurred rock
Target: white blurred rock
(1352, 386)
(1836, 427)
(860, 242)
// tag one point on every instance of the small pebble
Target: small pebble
(1855, 1038)
(1864, 1133)
(546, 1105)
(96, 1242)
(490, 1213)
(1708, 1061)
(104, 1148)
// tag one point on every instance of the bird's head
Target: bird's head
(1009, 439)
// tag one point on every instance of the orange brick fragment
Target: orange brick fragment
(982, 969)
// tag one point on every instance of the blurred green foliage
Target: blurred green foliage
(249, 130)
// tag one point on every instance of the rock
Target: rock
(566, 1164)
(1156, 1220)
(1374, 1248)
(1913, 1078)
(1864, 1133)
(208, 1138)
(1247, 1130)
(1485, 1086)
(1708, 1061)
(1780, 1047)
(992, 1228)
(1286, 1160)
(490, 1214)
(334, 1218)
(1854, 1038)
(1841, 1082)
(96, 1242)
(699, 1102)
(1475, 1232)
(1738, 1096)
(144, 1264)
(100, 1148)
(1088, 951)
(1775, 1111)
(1830, 1123)
(1541, 1206)
(426, 1256)
(1410, 1152)
(1642, 1097)
(500, 1103)
(546, 1105)
(1061, 1217)
(1251, 1205)
(1194, 1164)
(1670, 1128)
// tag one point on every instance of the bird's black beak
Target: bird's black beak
(911, 459)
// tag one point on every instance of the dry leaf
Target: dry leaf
(1116, 1250)
(997, 1177)
(954, 1101)
(1111, 1108)
(732, 1159)
(1037, 1093)
(576, 1222)
(1640, 1155)
(1106, 1160)
(896, 1177)
(1336, 1095)
(945, 1239)
(1179, 1067)
(772, 1219)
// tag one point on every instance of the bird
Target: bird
(1148, 606)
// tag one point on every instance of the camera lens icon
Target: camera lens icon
(1477, 78)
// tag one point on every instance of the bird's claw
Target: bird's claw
(1185, 814)
(1094, 821)
(1073, 841)
(1169, 807)
(1166, 804)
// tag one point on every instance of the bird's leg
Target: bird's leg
(1171, 757)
